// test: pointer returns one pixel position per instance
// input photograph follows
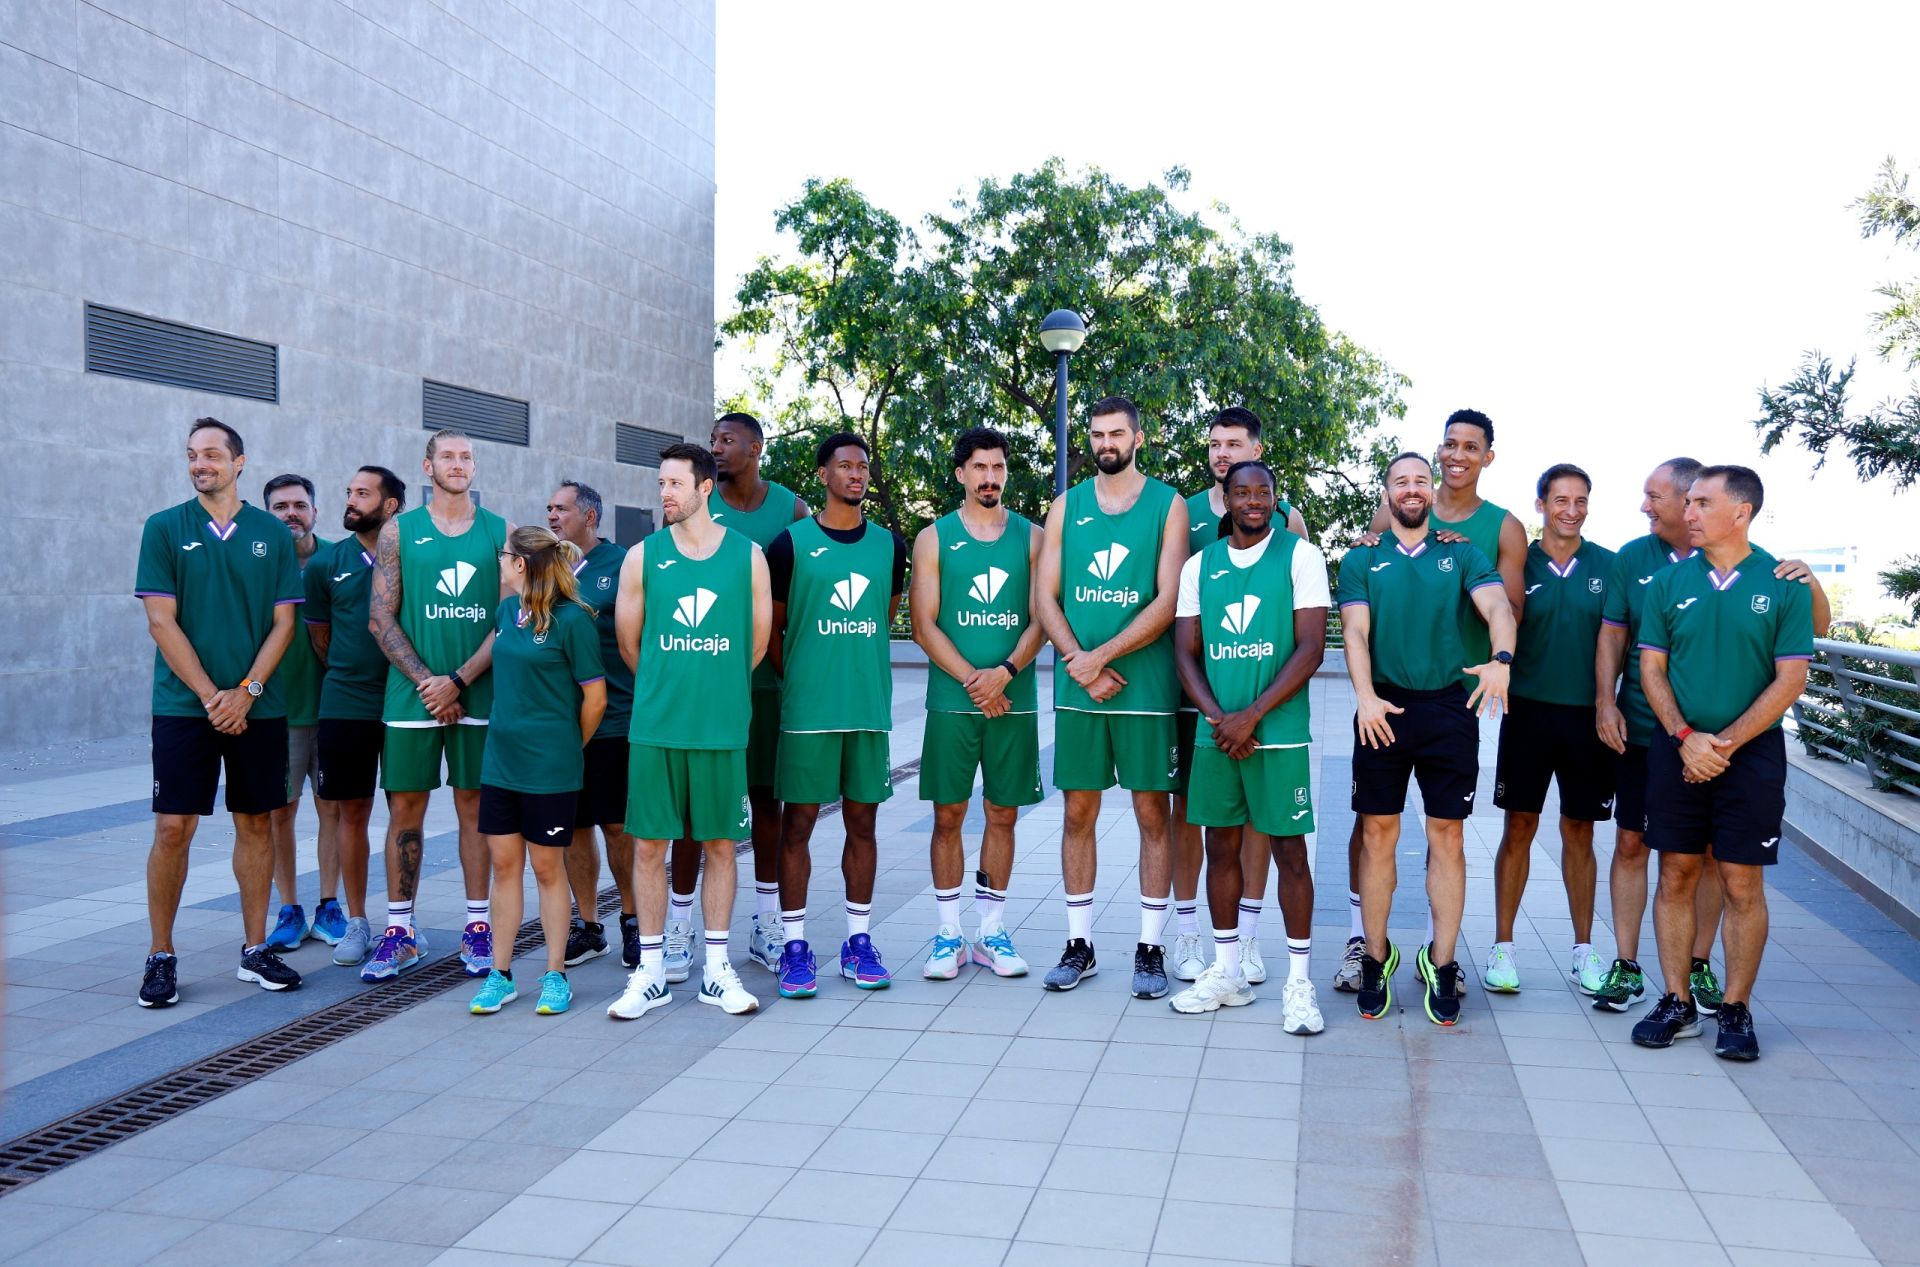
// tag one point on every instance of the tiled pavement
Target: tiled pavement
(977, 1121)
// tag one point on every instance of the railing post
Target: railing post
(1850, 704)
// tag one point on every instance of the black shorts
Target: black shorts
(1542, 743)
(1436, 740)
(1738, 813)
(544, 818)
(1186, 724)
(188, 754)
(1630, 800)
(349, 758)
(603, 789)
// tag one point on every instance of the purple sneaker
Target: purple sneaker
(798, 979)
(476, 948)
(398, 951)
(860, 963)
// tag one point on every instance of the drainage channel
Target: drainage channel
(48, 1149)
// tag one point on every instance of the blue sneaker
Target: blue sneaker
(494, 994)
(556, 996)
(476, 948)
(329, 921)
(860, 963)
(398, 951)
(797, 976)
(289, 930)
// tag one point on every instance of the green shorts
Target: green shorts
(1006, 749)
(1185, 723)
(820, 766)
(687, 793)
(1093, 751)
(1272, 789)
(763, 739)
(410, 757)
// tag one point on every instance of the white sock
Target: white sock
(716, 950)
(766, 898)
(681, 908)
(1354, 927)
(859, 918)
(1188, 916)
(1249, 920)
(400, 915)
(1080, 917)
(794, 924)
(1504, 945)
(946, 906)
(1153, 921)
(1580, 949)
(1226, 950)
(989, 907)
(477, 911)
(1299, 950)
(653, 953)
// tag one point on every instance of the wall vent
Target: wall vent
(481, 415)
(641, 446)
(129, 345)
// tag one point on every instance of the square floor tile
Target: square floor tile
(1092, 1220)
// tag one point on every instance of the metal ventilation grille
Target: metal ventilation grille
(641, 446)
(128, 345)
(481, 415)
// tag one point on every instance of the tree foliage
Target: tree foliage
(910, 336)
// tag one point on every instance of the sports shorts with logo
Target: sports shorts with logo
(188, 755)
(687, 793)
(348, 752)
(1436, 741)
(763, 739)
(603, 783)
(1738, 811)
(1004, 750)
(410, 759)
(543, 818)
(1272, 789)
(1630, 803)
(1094, 751)
(1541, 743)
(821, 766)
(1186, 724)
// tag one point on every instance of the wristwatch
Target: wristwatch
(1504, 657)
(254, 687)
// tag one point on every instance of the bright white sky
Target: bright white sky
(1607, 233)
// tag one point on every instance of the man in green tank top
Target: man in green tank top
(760, 510)
(972, 613)
(694, 615)
(1249, 632)
(435, 586)
(836, 581)
(1109, 571)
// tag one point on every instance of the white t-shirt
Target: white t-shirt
(1310, 587)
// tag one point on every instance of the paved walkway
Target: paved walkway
(978, 1121)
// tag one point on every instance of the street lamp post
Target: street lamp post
(1061, 333)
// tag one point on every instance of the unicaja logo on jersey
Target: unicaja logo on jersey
(454, 579)
(1106, 562)
(985, 589)
(1103, 565)
(1239, 615)
(690, 611)
(1235, 621)
(452, 582)
(847, 593)
(846, 596)
(694, 608)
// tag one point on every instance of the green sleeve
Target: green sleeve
(154, 574)
(1793, 628)
(1353, 576)
(1615, 612)
(287, 589)
(1479, 571)
(319, 608)
(1653, 622)
(583, 649)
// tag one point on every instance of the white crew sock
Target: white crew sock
(1354, 927)
(766, 898)
(477, 911)
(1249, 920)
(989, 907)
(1504, 945)
(859, 918)
(1580, 949)
(1153, 921)
(794, 924)
(1187, 915)
(400, 915)
(653, 954)
(1080, 917)
(716, 950)
(1226, 950)
(946, 906)
(1299, 950)
(681, 908)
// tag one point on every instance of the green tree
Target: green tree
(1812, 407)
(910, 337)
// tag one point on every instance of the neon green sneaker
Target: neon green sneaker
(1503, 971)
(1622, 987)
(495, 993)
(1705, 987)
(556, 996)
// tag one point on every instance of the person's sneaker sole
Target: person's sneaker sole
(247, 974)
(1073, 984)
(647, 1005)
(476, 1010)
(715, 1001)
(158, 1002)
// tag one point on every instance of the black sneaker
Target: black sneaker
(1442, 980)
(1736, 1040)
(157, 985)
(1375, 995)
(1076, 965)
(266, 970)
(1149, 971)
(629, 940)
(1670, 1019)
(585, 941)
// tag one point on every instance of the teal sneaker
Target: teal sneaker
(1705, 987)
(495, 993)
(556, 996)
(1503, 972)
(1588, 971)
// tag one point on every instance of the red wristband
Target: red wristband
(1680, 735)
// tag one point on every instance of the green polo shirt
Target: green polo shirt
(300, 669)
(1560, 630)
(533, 742)
(339, 584)
(1723, 634)
(1635, 568)
(1419, 599)
(598, 578)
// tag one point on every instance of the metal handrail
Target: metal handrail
(1849, 711)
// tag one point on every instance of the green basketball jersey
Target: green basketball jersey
(339, 581)
(1246, 634)
(226, 583)
(1482, 530)
(449, 591)
(1419, 599)
(1109, 571)
(760, 526)
(1560, 630)
(1635, 568)
(693, 689)
(598, 577)
(300, 669)
(537, 679)
(984, 592)
(1203, 523)
(1723, 634)
(839, 674)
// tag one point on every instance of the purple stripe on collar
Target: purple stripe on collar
(580, 566)
(1554, 568)
(231, 525)
(1414, 553)
(366, 558)
(1674, 556)
(1722, 583)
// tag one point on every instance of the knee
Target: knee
(1001, 817)
(172, 834)
(1290, 855)
(1081, 812)
(1520, 829)
(1629, 846)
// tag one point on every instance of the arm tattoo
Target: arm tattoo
(386, 607)
(409, 863)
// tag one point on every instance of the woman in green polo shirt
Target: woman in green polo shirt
(549, 691)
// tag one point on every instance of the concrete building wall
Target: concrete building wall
(511, 197)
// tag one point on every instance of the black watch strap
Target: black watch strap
(1008, 666)
(458, 681)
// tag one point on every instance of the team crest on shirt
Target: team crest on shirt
(1595, 585)
(1299, 796)
(606, 582)
(1446, 564)
(259, 549)
(1761, 602)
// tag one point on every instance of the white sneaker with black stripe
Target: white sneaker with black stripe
(721, 988)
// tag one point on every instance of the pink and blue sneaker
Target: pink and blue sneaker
(476, 948)
(798, 979)
(860, 963)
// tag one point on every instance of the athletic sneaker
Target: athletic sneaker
(949, 952)
(1670, 1019)
(799, 975)
(495, 993)
(584, 941)
(768, 939)
(1443, 998)
(1503, 971)
(1705, 987)
(1188, 962)
(398, 951)
(1736, 1040)
(353, 943)
(556, 996)
(1588, 972)
(1375, 995)
(1300, 1008)
(629, 941)
(860, 963)
(1149, 971)
(1252, 966)
(721, 987)
(158, 987)
(644, 992)
(1347, 978)
(1624, 985)
(679, 958)
(476, 948)
(996, 951)
(1213, 991)
(1076, 965)
(266, 969)
(329, 921)
(289, 930)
